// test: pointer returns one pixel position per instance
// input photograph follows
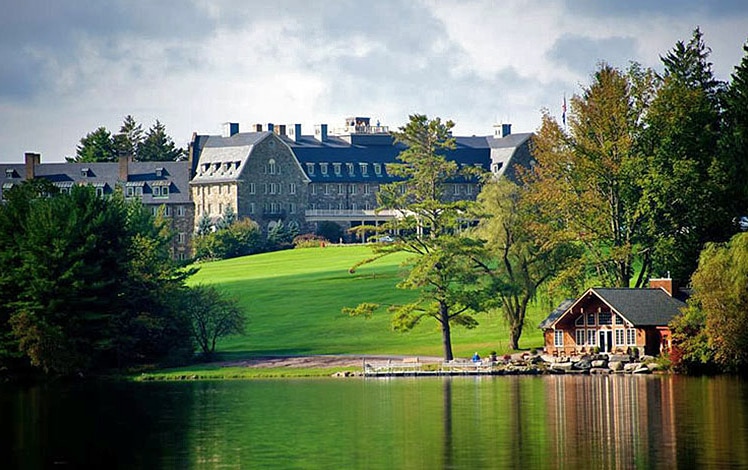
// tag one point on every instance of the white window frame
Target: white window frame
(252, 188)
(580, 336)
(620, 335)
(292, 188)
(310, 168)
(558, 338)
(631, 336)
(592, 337)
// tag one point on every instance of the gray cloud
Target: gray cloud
(582, 54)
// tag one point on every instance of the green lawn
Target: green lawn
(294, 299)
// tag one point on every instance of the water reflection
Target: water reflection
(501, 422)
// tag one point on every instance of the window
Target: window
(180, 211)
(631, 336)
(590, 319)
(364, 169)
(9, 173)
(251, 188)
(84, 172)
(456, 189)
(367, 189)
(323, 168)
(251, 207)
(327, 189)
(341, 188)
(159, 172)
(579, 337)
(314, 189)
(310, 168)
(579, 321)
(353, 206)
(336, 168)
(619, 320)
(100, 191)
(292, 188)
(350, 168)
(378, 168)
(352, 188)
(292, 208)
(130, 191)
(264, 188)
(604, 318)
(272, 167)
(619, 337)
(592, 337)
(558, 338)
(182, 238)
(469, 189)
(272, 188)
(403, 188)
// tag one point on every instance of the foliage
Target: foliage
(734, 138)
(129, 138)
(96, 146)
(241, 238)
(158, 146)
(309, 240)
(720, 286)
(329, 230)
(443, 268)
(212, 316)
(87, 282)
(691, 352)
(585, 183)
(523, 259)
(204, 225)
(685, 180)
(227, 218)
(280, 236)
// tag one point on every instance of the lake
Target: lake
(405, 423)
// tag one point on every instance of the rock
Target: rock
(632, 366)
(561, 366)
(642, 370)
(600, 371)
(548, 358)
(619, 358)
(615, 365)
(599, 363)
(582, 365)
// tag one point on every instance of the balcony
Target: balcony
(349, 214)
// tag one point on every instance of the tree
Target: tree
(87, 282)
(685, 180)
(329, 230)
(96, 146)
(524, 260)
(241, 238)
(130, 137)
(585, 182)
(213, 316)
(227, 218)
(734, 137)
(158, 146)
(443, 267)
(280, 236)
(720, 292)
(204, 225)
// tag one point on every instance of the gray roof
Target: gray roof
(556, 314)
(642, 307)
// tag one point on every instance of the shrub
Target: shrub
(308, 240)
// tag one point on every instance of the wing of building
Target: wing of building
(275, 173)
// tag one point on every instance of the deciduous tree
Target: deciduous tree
(213, 316)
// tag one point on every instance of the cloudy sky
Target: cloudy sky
(70, 66)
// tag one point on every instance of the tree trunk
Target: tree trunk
(446, 334)
(515, 331)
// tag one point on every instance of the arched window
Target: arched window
(271, 166)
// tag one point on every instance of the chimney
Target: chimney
(124, 163)
(666, 284)
(294, 131)
(281, 129)
(271, 127)
(258, 127)
(32, 160)
(230, 128)
(320, 132)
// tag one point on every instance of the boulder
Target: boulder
(582, 365)
(619, 358)
(561, 366)
(598, 363)
(632, 366)
(643, 369)
(615, 365)
(600, 371)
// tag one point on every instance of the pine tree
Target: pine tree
(158, 146)
(96, 146)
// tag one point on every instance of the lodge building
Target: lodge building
(275, 173)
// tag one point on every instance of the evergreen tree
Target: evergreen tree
(734, 138)
(96, 146)
(129, 138)
(158, 146)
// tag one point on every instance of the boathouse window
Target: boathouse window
(558, 338)
(579, 321)
(631, 336)
(619, 337)
(590, 319)
(592, 337)
(579, 336)
(619, 320)
(604, 318)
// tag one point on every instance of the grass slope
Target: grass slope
(294, 299)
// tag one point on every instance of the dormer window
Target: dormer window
(159, 172)
(378, 168)
(336, 167)
(323, 168)
(84, 172)
(364, 169)
(9, 173)
(350, 168)
(310, 168)
(205, 167)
